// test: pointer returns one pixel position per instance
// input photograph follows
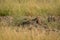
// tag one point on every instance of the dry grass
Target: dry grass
(9, 33)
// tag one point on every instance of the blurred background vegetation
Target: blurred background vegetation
(29, 7)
